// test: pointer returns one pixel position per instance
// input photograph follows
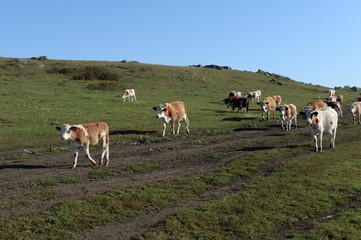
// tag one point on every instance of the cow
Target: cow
(315, 104)
(234, 94)
(240, 103)
(278, 99)
(323, 121)
(355, 109)
(129, 94)
(84, 135)
(288, 112)
(172, 112)
(334, 98)
(268, 105)
(226, 101)
(357, 99)
(331, 92)
(335, 105)
(255, 95)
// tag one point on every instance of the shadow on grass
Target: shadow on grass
(124, 132)
(21, 166)
(240, 118)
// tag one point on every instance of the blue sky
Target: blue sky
(312, 41)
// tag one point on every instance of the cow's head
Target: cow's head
(263, 105)
(351, 107)
(162, 111)
(282, 110)
(307, 112)
(65, 131)
(314, 118)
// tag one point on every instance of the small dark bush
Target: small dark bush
(106, 86)
(97, 73)
(87, 73)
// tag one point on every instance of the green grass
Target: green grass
(36, 100)
(302, 191)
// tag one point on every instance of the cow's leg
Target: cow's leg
(178, 126)
(289, 124)
(316, 142)
(76, 153)
(333, 138)
(164, 127)
(187, 123)
(320, 139)
(105, 151)
(87, 154)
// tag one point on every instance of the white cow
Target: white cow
(323, 121)
(331, 92)
(129, 94)
(256, 95)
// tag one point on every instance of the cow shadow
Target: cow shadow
(125, 132)
(237, 119)
(21, 166)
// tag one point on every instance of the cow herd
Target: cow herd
(321, 117)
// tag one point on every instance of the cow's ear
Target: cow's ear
(163, 109)
(58, 128)
(155, 108)
(258, 103)
(73, 128)
(286, 108)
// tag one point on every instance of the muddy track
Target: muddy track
(175, 159)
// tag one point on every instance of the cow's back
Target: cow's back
(94, 130)
(179, 109)
(329, 119)
(317, 104)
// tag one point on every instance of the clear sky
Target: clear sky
(311, 41)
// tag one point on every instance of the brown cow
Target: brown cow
(355, 109)
(172, 112)
(278, 99)
(268, 105)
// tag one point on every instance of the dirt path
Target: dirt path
(178, 158)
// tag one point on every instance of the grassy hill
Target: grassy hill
(36, 96)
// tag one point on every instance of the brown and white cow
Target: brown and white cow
(288, 112)
(84, 135)
(268, 105)
(323, 121)
(278, 99)
(255, 95)
(129, 94)
(355, 109)
(234, 94)
(312, 106)
(316, 104)
(172, 112)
